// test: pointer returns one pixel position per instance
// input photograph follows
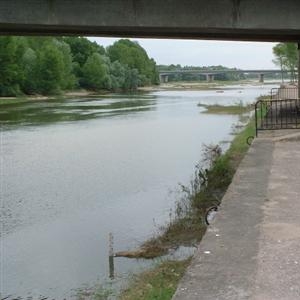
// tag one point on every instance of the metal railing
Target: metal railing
(276, 114)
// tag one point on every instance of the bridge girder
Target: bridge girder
(259, 20)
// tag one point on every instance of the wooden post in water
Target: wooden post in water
(111, 256)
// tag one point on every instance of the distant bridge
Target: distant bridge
(164, 74)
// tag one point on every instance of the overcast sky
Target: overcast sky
(244, 55)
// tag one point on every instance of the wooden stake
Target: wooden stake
(111, 256)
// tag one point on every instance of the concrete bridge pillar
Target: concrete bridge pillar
(261, 78)
(163, 78)
(210, 77)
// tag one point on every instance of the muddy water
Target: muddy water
(74, 170)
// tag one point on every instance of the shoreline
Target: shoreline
(171, 86)
(66, 95)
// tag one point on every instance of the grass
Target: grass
(239, 147)
(7, 101)
(97, 292)
(158, 283)
(231, 109)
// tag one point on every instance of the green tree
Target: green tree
(50, 69)
(11, 74)
(69, 80)
(95, 72)
(132, 79)
(131, 54)
(29, 65)
(82, 49)
(117, 75)
(286, 56)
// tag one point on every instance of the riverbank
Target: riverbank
(66, 95)
(188, 226)
(171, 86)
(86, 93)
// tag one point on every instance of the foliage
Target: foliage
(159, 283)
(50, 69)
(48, 65)
(95, 72)
(132, 55)
(286, 56)
(11, 75)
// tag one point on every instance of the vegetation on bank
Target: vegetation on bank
(158, 283)
(50, 65)
(230, 109)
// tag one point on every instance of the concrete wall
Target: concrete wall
(267, 20)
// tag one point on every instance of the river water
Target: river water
(74, 170)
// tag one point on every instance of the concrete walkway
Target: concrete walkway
(252, 249)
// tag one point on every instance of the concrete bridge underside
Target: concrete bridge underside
(259, 20)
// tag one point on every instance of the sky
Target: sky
(243, 55)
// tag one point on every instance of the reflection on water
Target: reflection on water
(66, 185)
(60, 110)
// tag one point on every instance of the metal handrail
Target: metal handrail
(274, 114)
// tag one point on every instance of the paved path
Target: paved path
(252, 251)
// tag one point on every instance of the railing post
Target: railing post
(256, 119)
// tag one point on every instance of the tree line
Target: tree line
(48, 65)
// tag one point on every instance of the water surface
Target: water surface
(74, 170)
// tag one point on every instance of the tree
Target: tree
(69, 80)
(11, 74)
(30, 67)
(135, 57)
(286, 56)
(132, 80)
(49, 65)
(81, 49)
(117, 75)
(95, 72)
(50, 69)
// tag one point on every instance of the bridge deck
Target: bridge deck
(252, 250)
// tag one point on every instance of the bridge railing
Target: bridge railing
(274, 114)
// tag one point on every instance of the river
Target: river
(74, 170)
